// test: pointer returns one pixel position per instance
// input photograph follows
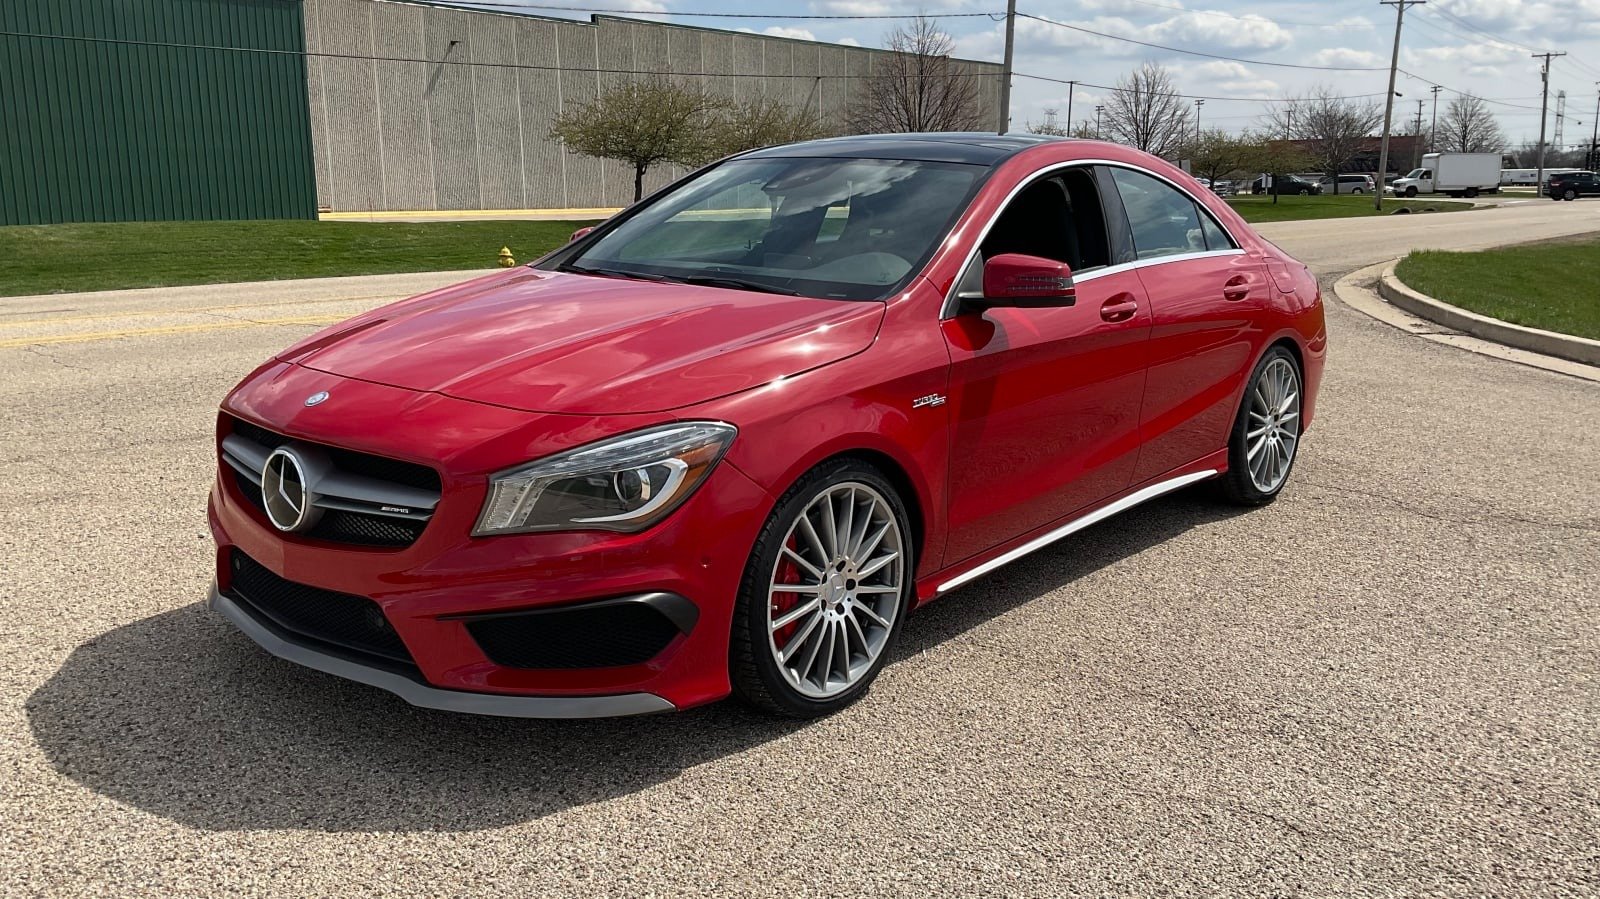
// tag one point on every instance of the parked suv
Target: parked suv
(1350, 184)
(1286, 184)
(1572, 185)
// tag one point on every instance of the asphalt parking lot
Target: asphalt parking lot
(1386, 683)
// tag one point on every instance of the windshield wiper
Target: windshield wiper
(735, 284)
(609, 272)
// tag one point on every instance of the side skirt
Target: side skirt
(1143, 495)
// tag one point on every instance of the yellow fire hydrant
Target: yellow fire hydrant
(506, 259)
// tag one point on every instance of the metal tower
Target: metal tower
(1561, 120)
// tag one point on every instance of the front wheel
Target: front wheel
(1266, 433)
(1570, 195)
(824, 593)
(1411, 191)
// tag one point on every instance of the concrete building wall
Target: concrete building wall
(398, 124)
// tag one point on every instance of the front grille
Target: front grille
(599, 635)
(335, 525)
(341, 619)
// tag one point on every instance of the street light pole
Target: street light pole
(1197, 105)
(1416, 140)
(1072, 88)
(1388, 99)
(1433, 130)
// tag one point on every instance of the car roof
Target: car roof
(978, 148)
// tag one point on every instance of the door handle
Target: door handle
(1236, 288)
(1119, 308)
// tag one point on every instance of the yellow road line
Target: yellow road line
(196, 310)
(170, 329)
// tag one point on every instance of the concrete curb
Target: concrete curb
(1358, 290)
(1549, 343)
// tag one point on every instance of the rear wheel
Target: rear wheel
(1472, 193)
(1570, 194)
(824, 593)
(1266, 434)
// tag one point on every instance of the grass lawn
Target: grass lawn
(1552, 285)
(61, 258)
(1293, 208)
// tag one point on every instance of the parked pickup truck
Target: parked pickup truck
(1456, 174)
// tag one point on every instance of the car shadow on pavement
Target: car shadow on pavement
(182, 717)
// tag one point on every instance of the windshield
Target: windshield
(834, 228)
(1418, 173)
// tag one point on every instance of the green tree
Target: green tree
(1218, 154)
(643, 123)
(1265, 155)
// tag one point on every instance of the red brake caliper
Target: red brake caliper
(788, 573)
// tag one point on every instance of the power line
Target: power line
(1108, 87)
(1253, 62)
(1245, 18)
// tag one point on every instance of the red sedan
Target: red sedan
(725, 441)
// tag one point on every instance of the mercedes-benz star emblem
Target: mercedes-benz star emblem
(316, 398)
(283, 491)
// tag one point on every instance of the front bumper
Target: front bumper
(396, 680)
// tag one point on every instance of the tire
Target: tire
(1570, 195)
(1305, 191)
(1241, 485)
(759, 677)
(1358, 191)
(1471, 193)
(1411, 191)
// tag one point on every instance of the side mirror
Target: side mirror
(1028, 282)
(579, 233)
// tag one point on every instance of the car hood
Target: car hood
(553, 342)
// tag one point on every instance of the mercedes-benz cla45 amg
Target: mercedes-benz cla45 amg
(727, 440)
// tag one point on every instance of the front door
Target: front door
(1045, 402)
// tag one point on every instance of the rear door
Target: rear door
(1205, 294)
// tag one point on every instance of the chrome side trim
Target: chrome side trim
(1078, 524)
(420, 694)
(952, 302)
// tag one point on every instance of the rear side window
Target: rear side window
(1164, 220)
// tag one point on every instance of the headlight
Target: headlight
(626, 483)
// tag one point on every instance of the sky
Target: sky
(1483, 47)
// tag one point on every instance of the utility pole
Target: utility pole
(1433, 130)
(1197, 105)
(1005, 74)
(1544, 110)
(1388, 99)
(1072, 88)
(1097, 111)
(1594, 139)
(1416, 138)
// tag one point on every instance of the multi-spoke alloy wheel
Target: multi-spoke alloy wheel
(1274, 424)
(1266, 434)
(835, 590)
(824, 592)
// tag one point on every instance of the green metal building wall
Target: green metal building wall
(123, 110)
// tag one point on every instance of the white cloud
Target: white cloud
(1226, 78)
(803, 34)
(853, 7)
(1345, 56)
(850, 42)
(1197, 32)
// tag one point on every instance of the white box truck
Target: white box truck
(1456, 174)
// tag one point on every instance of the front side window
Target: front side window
(1057, 217)
(829, 228)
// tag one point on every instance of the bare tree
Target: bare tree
(761, 121)
(1333, 128)
(918, 87)
(1146, 111)
(642, 123)
(1469, 127)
